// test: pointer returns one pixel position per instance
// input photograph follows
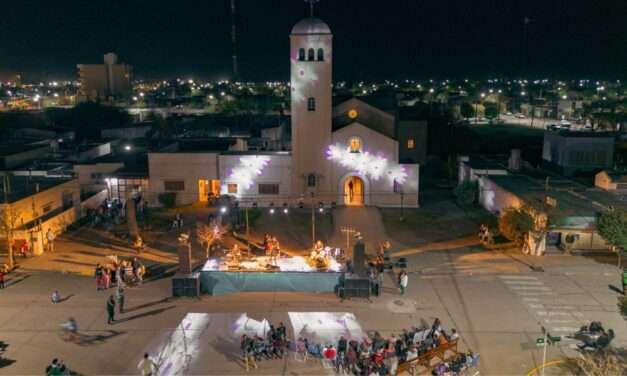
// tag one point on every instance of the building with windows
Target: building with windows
(572, 153)
(107, 81)
(350, 153)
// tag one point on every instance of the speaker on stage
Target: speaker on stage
(355, 287)
(186, 285)
(359, 259)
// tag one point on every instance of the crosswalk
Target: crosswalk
(542, 301)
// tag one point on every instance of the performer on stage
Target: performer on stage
(275, 251)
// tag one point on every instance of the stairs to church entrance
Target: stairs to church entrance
(366, 220)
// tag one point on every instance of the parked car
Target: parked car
(520, 116)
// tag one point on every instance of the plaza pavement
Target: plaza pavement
(495, 300)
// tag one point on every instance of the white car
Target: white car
(520, 116)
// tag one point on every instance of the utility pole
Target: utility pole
(8, 221)
(402, 199)
(234, 39)
(247, 228)
(313, 221)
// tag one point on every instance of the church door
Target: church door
(354, 191)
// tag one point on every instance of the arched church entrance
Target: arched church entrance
(354, 191)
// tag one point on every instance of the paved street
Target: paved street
(496, 302)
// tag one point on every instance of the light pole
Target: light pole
(313, 221)
(402, 200)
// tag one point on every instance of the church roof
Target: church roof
(311, 25)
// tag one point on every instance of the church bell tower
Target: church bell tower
(311, 107)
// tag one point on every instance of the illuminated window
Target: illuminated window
(311, 104)
(354, 144)
(232, 188)
(320, 54)
(268, 189)
(410, 143)
(301, 54)
(311, 54)
(174, 185)
(311, 180)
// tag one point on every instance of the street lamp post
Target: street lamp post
(313, 221)
(402, 200)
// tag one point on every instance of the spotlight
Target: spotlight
(285, 208)
(271, 210)
(285, 211)
(320, 206)
(223, 209)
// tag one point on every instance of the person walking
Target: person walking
(119, 294)
(147, 366)
(98, 275)
(50, 237)
(404, 279)
(56, 297)
(111, 309)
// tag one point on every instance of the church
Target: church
(351, 153)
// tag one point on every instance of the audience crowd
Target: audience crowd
(373, 356)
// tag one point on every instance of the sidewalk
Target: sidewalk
(79, 253)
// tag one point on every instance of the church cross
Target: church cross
(312, 3)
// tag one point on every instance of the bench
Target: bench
(423, 360)
(442, 349)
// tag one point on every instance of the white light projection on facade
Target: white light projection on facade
(367, 164)
(305, 74)
(248, 169)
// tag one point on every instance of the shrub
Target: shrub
(622, 305)
(167, 199)
(515, 223)
(466, 193)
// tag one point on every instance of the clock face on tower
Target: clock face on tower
(352, 113)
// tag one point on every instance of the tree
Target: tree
(612, 225)
(467, 110)
(8, 221)
(466, 193)
(515, 224)
(597, 363)
(207, 234)
(491, 110)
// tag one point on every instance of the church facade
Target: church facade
(347, 154)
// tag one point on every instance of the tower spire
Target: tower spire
(312, 3)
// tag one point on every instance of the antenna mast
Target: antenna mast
(234, 40)
(312, 3)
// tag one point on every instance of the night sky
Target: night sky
(372, 39)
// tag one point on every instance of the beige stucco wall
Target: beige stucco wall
(494, 198)
(277, 171)
(603, 181)
(379, 192)
(29, 208)
(84, 172)
(186, 167)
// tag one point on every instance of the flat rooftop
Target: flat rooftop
(24, 186)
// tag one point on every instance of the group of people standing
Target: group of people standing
(272, 346)
(119, 273)
(122, 273)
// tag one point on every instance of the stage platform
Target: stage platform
(294, 275)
